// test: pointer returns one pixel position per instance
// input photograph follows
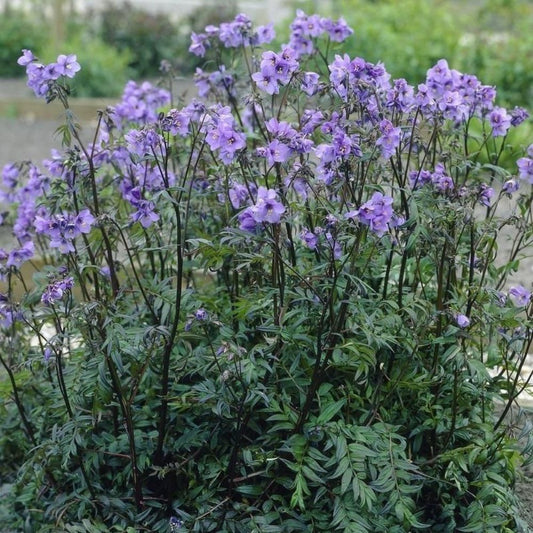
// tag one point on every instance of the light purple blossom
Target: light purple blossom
(267, 207)
(525, 169)
(63, 228)
(518, 115)
(520, 295)
(266, 80)
(26, 58)
(277, 152)
(56, 290)
(201, 314)
(177, 122)
(18, 256)
(485, 194)
(511, 186)
(238, 194)
(247, 221)
(310, 83)
(140, 104)
(390, 138)
(500, 121)
(264, 34)
(376, 213)
(199, 43)
(222, 134)
(67, 65)
(309, 239)
(41, 77)
(338, 31)
(462, 320)
(145, 213)
(441, 181)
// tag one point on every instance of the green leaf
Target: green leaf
(330, 411)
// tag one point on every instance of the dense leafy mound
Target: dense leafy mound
(280, 307)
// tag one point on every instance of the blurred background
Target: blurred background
(116, 41)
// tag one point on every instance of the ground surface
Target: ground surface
(29, 135)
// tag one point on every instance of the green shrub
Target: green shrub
(145, 37)
(284, 307)
(18, 31)
(105, 69)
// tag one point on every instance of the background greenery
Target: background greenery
(492, 38)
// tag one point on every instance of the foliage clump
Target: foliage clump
(282, 306)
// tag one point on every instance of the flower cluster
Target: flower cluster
(307, 28)
(139, 104)
(439, 178)
(17, 256)
(276, 69)
(41, 77)
(233, 34)
(377, 214)
(56, 290)
(520, 295)
(267, 208)
(63, 228)
(221, 133)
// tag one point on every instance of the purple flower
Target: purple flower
(525, 169)
(500, 121)
(267, 207)
(266, 80)
(518, 115)
(264, 34)
(8, 313)
(144, 142)
(236, 33)
(10, 174)
(338, 31)
(309, 239)
(145, 213)
(441, 181)
(485, 194)
(376, 213)
(83, 221)
(139, 104)
(26, 58)
(238, 194)
(199, 42)
(201, 315)
(66, 65)
(56, 290)
(462, 320)
(511, 186)
(418, 178)
(390, 138)
(177, 122)
(277, 152)
(62, 229)
(520, 295)
(401, 96)
(310, 83)
(20, 255)
(247, 221)
(38, 79)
